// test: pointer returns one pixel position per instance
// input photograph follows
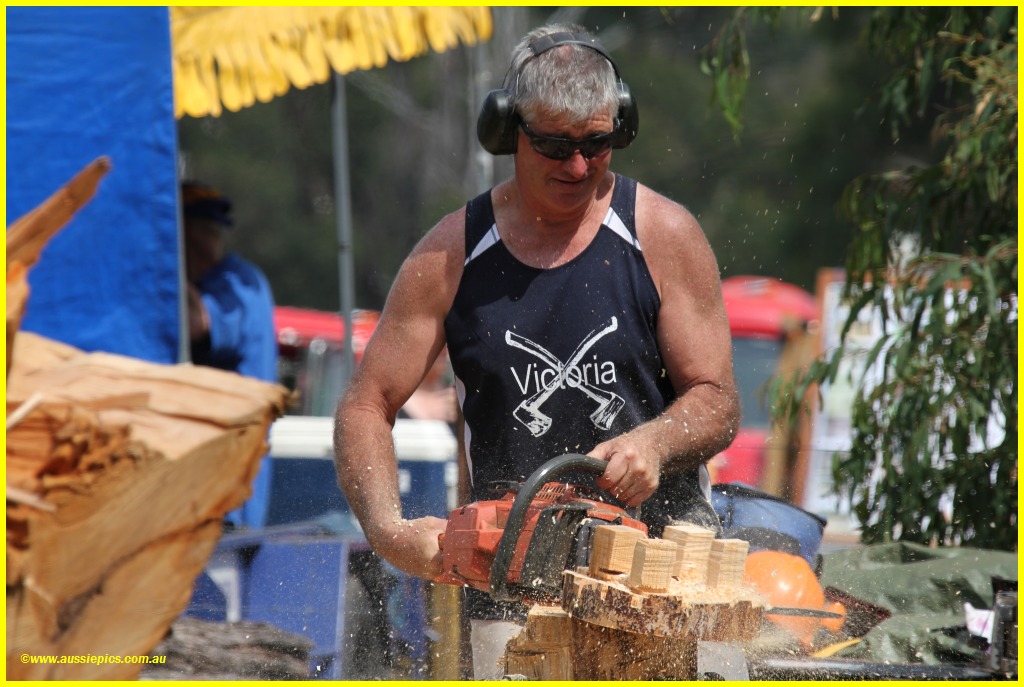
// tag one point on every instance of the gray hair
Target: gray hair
(571, 80)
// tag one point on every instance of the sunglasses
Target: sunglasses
(562, 148)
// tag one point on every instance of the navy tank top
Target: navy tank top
(555, 361)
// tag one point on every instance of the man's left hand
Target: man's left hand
(632, 475)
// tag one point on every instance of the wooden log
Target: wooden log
(38, 353)
(131, 467)
(29, 234)
(124, 614)
(603, 653)
(197, 649)
(622, 634)
(229, 398)
(55, 438)
(685, 610)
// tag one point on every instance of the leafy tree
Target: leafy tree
(934, 254)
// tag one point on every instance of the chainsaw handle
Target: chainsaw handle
(514, 523)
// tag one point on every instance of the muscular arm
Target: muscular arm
(407, 339)
(695, 344)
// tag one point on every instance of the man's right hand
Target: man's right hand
(412, 547)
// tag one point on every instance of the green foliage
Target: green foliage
(726, 60)
(924, 442)
(934, 255)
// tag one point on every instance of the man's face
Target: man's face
(204, 246)
(561, 185)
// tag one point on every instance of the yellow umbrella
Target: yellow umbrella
(233, 57)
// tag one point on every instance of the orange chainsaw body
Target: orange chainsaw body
(470, 542)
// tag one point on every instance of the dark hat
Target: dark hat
(200, 200)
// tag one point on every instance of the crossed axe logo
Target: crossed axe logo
(529, 412)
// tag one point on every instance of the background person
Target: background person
(231, 306)
(582, 313)
(230, 311)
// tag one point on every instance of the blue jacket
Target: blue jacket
(240, 304)
(239, 301)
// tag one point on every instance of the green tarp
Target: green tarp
(925, 589)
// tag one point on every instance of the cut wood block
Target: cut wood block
(611, 549)
(694, 547)
(726, 563)
(543, 650)
(654, 561)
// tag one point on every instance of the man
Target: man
(562, 288)
(230, 310)
(231, 307)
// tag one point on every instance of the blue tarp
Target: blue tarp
(85, 82)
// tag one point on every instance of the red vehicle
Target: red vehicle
(311, 354)
(765, 316)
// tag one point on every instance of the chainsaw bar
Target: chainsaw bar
(803, 612)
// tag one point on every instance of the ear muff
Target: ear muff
(628, 121)
(497, 126)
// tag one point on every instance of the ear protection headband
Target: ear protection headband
(497, 126)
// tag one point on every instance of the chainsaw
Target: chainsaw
(516, 547)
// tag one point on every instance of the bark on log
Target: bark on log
(201, 650)
(603, 653)
(619, 633)
(119, 476)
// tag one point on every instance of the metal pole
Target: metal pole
(343, 205)
(480, 80)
